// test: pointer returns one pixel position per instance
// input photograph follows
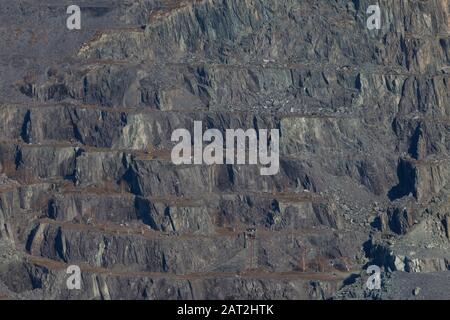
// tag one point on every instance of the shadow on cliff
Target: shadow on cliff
(406, 181)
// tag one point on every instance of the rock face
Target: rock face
(86, 178)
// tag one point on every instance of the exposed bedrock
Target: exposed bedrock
(86, 176)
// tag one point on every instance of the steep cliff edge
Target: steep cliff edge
(86, 119)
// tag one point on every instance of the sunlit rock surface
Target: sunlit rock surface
(86, 178)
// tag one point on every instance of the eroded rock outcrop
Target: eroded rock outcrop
(85, 140)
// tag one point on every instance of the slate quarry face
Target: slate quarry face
(86, 178)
